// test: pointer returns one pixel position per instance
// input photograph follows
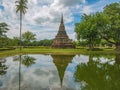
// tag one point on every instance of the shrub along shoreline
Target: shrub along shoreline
(50, 51)
(6, 49)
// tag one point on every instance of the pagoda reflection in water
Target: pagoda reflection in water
(61, 62)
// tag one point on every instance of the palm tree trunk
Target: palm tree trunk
(20, 30)
(20, 50)
(20, 72)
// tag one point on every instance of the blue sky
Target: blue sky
(43, 16)
(1, 7)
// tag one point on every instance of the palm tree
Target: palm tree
(21, 6)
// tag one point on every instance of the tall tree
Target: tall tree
(105, 25)
(28, 37)
(3, 29)
(21, 6)
(87, 30)
(112, 32)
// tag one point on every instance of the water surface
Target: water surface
(60, 72)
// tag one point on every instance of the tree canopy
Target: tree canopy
(102, 25)
(88, 28)
(112, 33)
(3, 29)
(28, 37)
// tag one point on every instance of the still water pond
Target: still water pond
(60, 72)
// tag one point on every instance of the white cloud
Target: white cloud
(87, 9)
(41, 74)
(40, 13)
(68, 2)
(46, 15)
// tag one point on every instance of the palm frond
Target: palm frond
(21, 6)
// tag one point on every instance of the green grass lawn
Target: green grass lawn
(57, 51)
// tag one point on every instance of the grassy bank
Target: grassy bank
(57, 51)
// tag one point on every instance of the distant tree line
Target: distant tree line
(45, 42)
(27, 39)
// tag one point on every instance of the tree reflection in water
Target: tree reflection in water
(96, 75)
(3, 67)
(25, 60)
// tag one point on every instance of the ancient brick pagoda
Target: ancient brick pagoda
(62, 40)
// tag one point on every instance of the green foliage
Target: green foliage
(45, 42)
(28, 37)
(6, 49)
(3, 29)
(112, 33)
(9, 42)
(25, 59)
(97, 49)
(98, 75)
(103, 25)
(15, 41)
(21, 5)
(87, 30)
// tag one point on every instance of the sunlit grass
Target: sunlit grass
(43, 50)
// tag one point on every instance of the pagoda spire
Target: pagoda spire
(62, 21)
(61, 32)
(61, 39)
